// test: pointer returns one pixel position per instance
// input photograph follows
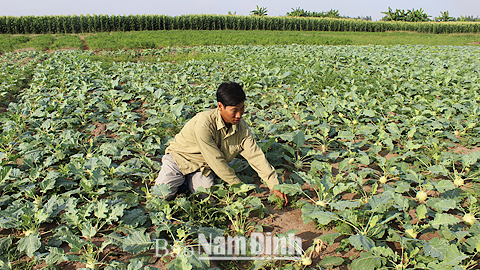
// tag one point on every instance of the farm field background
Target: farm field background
(377, 147)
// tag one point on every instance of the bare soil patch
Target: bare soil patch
(24, 50)
(85, 46)
(100, 129)
(464, 150)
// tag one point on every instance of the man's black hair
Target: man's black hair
(230, 94)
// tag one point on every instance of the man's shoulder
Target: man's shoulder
(209, 115)
(243, 125)
(205, 118)
(243, 128)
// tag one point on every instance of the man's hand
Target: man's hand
(282, 196)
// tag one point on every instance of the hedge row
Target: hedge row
(106, 23)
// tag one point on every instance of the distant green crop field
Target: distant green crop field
(166, 38)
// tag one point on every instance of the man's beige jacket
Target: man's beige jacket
(205, 144)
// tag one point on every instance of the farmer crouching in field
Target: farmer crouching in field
(209, 141)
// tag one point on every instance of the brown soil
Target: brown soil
(85, 46)
(463, 150)
(24, 50)
(101, 129)
(142, 111)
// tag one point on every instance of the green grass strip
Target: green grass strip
(173, 38)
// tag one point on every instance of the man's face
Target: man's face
(231, 114)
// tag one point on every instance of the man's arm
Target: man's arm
(256, 158)
(212, 154)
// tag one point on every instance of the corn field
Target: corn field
(106, 23)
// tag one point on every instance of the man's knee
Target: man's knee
(199, 180)
(171, 175)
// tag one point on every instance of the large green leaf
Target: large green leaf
(101, 209)
(445, 205)
(161, 190)
(437, 247)
(330, 261)
(289, 189)
(443, 219)
(369, 113)
(367, 261)
(87, 229)
(470, 158)
(188, 259)
(242, 188)
(393, 128)
(135, 265)
(307, 209)
(179, 263)
(313, 181)
(341, 187)
(5, 264)
(347, 135)
(330, 237)
(299, 138)
(438, 169)
(412, 146)
(378, 203)
(134, 217)
(361, 242)
(444, 185)
(342, 205)
(74, 242)
(105, 161)
(211, 232)
(5, 243)
(453, 256)
(4, 172)
(364, 159)
(109, 149)
(30, 244)
(135, 242)
(266, 145)
(117, 212)
(177, 109)
(49, 182)
(473, 244)
(55, 255)
(384, 251)
(323, 217)
(421, 211)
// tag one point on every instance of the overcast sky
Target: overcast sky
(352, 8)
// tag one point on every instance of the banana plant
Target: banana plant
(260, 11)
(444, 17)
